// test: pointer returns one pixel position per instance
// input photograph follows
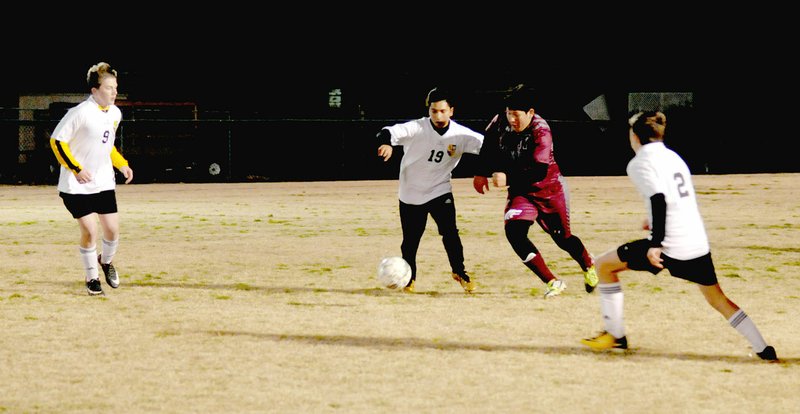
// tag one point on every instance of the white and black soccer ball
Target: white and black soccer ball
(394, 272)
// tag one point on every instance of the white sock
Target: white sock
(747, 328)
(89, 259)
(109, 250)
(611, 300)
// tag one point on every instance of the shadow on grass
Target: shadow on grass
(244, 287)
(634, 354)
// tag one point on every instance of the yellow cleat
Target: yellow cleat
(554, 288)
(468, 285)
(410, 287)
(590, 279)
(605, 341)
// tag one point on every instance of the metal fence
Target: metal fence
(236, 150)
(181, 144)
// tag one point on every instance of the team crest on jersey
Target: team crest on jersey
(451, 150)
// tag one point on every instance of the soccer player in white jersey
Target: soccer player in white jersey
(677, 240)
(432, 148)
(83, 143)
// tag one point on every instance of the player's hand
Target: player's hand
(499, 179)
(127, 172)
(385, 151)
(646, 224)
(481, 184)
(84, 176)
(654, 256)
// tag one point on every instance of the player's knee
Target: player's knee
(516, 231)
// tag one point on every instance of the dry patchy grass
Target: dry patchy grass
(262, 297)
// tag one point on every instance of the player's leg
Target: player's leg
(609, 264)
(517, 236)
(110, 241)
(88, 252)
(701, 271)
(554, 219)
(109, 221)
(413, 219)
(443, 212)
(81, 208)
(738, 319)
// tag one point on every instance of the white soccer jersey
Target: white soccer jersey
(90, 133)
(657, 169)
(429, 158)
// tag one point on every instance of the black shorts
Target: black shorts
(79, 205)
(698, 270)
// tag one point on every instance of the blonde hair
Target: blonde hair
(648, 126)
(97, 72)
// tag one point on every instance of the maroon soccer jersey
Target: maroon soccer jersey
(527, 158)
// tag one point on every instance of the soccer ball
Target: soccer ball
(394, 272)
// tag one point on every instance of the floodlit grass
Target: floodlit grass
(262, 297)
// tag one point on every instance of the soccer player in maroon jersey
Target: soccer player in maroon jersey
(518, 147)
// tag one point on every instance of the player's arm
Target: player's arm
(537, 170)
(658, 207)
(64, 156)
(118, 161)
(486, 163)
(385, 149)
(658, 210)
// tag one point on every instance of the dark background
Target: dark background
(256, 66)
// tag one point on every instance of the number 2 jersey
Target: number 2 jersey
(429, 158)
(657, 169)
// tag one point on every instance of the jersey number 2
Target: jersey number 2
(681, 184)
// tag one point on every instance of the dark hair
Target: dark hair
(648, 126)
(438, 94)
(520, 99)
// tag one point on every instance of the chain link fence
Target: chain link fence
(659, 101)
(178, 143)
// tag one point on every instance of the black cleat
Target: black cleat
(768, 354)
(111, 273)
(94, 288)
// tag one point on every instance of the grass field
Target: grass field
(262, 297)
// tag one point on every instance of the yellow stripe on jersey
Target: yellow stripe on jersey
(64, 155)
(117, 160)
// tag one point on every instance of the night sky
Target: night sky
(256, 64)
(282, 64)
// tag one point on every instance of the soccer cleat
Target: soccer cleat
(554, 288)
(605, 341)
(111, 273)
(94, 288)
(410, 287)
(768, 354)
(590, 279)
(466, 282)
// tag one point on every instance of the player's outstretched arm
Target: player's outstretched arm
(385, 151)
